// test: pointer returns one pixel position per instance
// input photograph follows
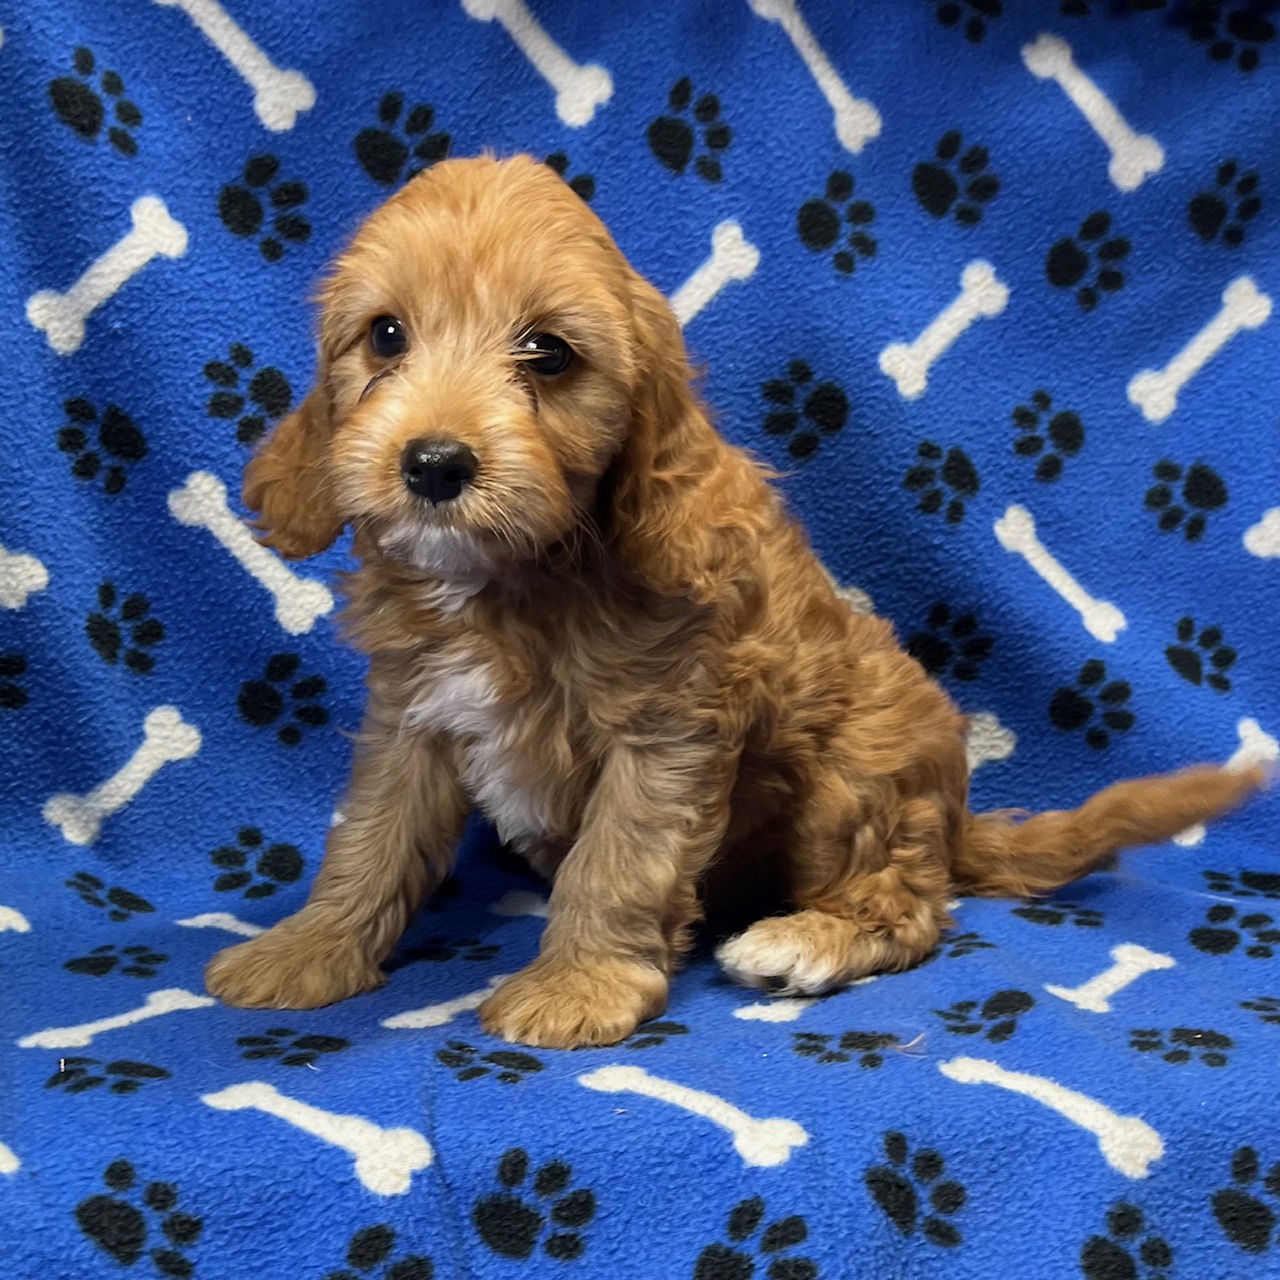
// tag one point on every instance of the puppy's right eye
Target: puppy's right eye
(387, 337)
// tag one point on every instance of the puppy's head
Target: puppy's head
(486, 356)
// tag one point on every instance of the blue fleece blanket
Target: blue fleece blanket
(992, 283)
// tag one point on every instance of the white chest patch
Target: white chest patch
(460, 701)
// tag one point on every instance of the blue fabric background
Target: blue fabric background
(103, 1158)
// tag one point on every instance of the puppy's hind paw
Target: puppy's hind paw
(782, 956)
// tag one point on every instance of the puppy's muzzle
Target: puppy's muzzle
(437, 470)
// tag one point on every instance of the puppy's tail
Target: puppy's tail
(1002, 857)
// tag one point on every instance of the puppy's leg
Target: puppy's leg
(622, 901)
(403, 815)
(871, 903)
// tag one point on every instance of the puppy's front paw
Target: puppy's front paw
(557, 1005)
(290, 967)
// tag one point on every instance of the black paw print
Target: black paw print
(118, 438)
(135, 961)
(1058, 913)
(974, 13)
(1111, 1256)
(1072, 709)
(288, 1047)
(467, 1063)
(1237, 33)
(114, 620)
(80, 107)
(77, 1075)
(241, 208)
(867, 1046)
(583, 185)
(958, 945)
(674, 138)
(1081, 8)
(384, 154)
(439, 950)
(511, 1226)
(900, 1186)
(1245, 1218)
(1202, 488)
(1189, 664)
(1248, 884)
(940, 192)
(267, 396)
(371, 1247)
(820, 224)
(997, 1020)
(277, 864)
(1267, 1009)
(13, 666)
(952, 645)
(262, 702)
(1225, 209)
(956, 473)
(651, 1035)
(121, 1230)
(1184, 1044)
(823, 412)
(1215, 938)
(1064, 432)
(1073, 257)
(724, 1262)
(124, 905)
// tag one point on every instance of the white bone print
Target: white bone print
(521, 902)
(1256, 747)
(278, 96)
(439, 1015)
(1155, 391)
(385, 1159)
(987, 741)
(733, 257)
(1016, 532)
(158, 1003)
(908, 364)
(222, 920)
(13, 921)
(789, 1008)
(1134, 156)
(1127, 1143)
(1130, 962)
(762, 1143)
(857, 120)
(784, 1009)
(21, 576)
(202, 501)
(166, 737)
(61, 316)
(579, 89)
(9, 1163)
(857, 599)
(1263, 539)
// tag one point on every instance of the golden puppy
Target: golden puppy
(591, 617)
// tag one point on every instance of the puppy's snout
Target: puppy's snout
(437, 470)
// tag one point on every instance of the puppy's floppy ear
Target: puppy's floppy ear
(287, 482)
(687, 508)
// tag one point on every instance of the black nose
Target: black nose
(438, 470)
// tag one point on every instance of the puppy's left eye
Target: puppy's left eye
(546, 354)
